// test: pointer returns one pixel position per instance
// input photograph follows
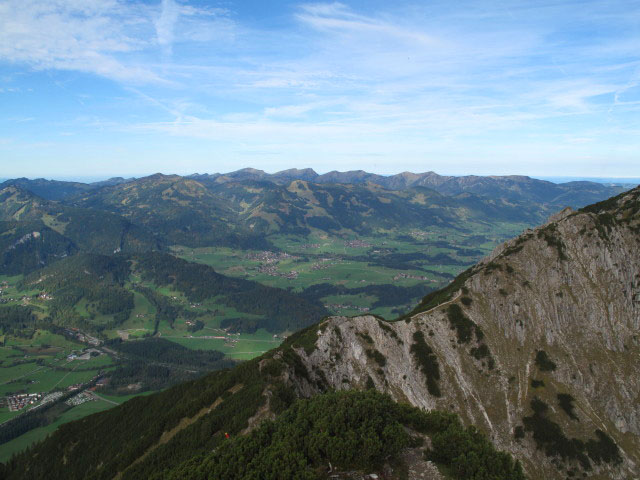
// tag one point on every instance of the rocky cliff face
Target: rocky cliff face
(538, 345)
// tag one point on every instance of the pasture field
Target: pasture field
(240, 346)
(12, 292)
(353, 266)
(34, 378)
(398, 258)
(24, 441)
(40, 364)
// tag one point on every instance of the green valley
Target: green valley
(131, 286)
(385, 274)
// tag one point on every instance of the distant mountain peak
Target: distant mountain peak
(112, 181)
(254, 171)
(299, 173)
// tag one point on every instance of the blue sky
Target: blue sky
(103, 87)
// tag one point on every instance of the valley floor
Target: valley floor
(356, 274)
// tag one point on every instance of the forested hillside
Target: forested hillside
(172, 434)
(179, 210)
(143, 283)
(95, 231)
(28, 246)
(48, 189)
(96, 293)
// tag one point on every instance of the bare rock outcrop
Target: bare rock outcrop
(551, 317)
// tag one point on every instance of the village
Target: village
(407, 276)
(20, 401)
(346, 306)
(270, 257)
(85, 355)
(272, 271)
(357, 244)
(325, 263)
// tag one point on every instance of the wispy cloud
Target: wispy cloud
(409, 79)
(85, 36)
(338, 18)
(194, 24)
(165, 24)
(110, 38)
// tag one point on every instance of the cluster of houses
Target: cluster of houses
(24, 299)
(311, 246)
(346, 306)
(3, 287)
(357, 244)
(420, 234)
(272, 271)
(21, 400)
(325, 263)
(269, 257)
(402, 276)
(320, 266)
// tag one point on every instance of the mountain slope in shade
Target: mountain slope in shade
(27, 246)
(48, 189)
(179, 209)
(90, 230)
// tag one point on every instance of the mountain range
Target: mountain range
(510, 187)
(240, 208)
(514, 187)
(534, 350)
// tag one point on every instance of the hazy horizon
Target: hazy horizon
(93, 179)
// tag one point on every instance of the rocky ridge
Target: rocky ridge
(538, 345)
